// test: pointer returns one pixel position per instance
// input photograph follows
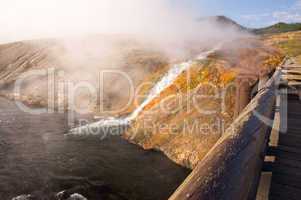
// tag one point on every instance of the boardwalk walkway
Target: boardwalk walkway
(286, 169)
(231, 169)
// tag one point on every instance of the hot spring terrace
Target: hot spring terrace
(259, 157)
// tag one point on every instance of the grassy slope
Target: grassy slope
(279, 28)
(289, 43)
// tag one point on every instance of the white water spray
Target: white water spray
(165, 82)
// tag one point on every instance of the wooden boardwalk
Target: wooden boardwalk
(231, 169)
(286, 169)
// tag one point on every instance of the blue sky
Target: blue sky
(253, 13)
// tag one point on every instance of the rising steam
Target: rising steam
(160, 20)
(131, 35)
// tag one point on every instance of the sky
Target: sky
(254, 13)
(33, 19)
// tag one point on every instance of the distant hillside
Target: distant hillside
(224, 21)
(279, 28)
(227, 21)
(276, 28)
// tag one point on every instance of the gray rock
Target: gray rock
(77, 196)
(23, 197)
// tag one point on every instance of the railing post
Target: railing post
(243, 94)
(263, 79)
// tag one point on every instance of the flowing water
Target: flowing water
(36, 159)
(164, 83)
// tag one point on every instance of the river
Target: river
(36, 159)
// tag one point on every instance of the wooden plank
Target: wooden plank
(286, 169)
(289, 77)
(283, 178)
(273, 197)
(294, 107)
(293, 123)
(285, 191)
(294, 102)
(296, 135)
(289, 149)
(294, 130)
(293, 120)
(296, 71)
(286, 178)
(293, 95)
(288, 155)
(283, 109)
(294, 83)
(276, 197)
(290, 140)
(292, 67)
(294, 110)
(288, 162)
(293, 114)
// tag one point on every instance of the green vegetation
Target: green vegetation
(289, 43)
(279, 28)
(291, 47)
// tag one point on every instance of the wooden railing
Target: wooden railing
(232, 168)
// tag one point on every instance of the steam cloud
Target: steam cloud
(161, 20)
(170, 28)
(51, 18)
